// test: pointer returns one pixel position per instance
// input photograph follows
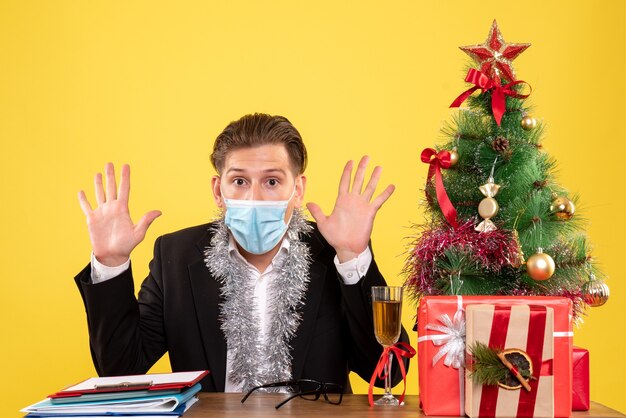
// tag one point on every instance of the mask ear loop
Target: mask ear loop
(224, 199)
(292, 193)
(289, 200)
(221, 193)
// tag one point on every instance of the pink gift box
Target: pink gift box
(580, 379)
(442, 387)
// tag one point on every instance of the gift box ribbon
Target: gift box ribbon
(534, 349)
(452, 339)
(400, 349)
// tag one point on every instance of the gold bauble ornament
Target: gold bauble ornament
(540, 266)
(595, 293)
(562, 208)
(454, 157)
(528, 123)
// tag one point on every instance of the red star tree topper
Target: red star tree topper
(495, 55)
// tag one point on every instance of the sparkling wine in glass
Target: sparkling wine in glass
(387, 306)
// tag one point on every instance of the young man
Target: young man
(258, 296)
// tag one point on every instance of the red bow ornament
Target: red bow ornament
(437, 161)
(399, 352)
(498, 95)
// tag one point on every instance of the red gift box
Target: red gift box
(580, 379)
(442, 387)
(521, 327)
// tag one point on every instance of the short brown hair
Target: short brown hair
(256, 130)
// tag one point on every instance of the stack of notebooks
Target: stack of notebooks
(149, 395)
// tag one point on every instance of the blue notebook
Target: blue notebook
(147, 405)
(179, 411)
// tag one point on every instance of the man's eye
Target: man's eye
(272, 182)
(239, 182)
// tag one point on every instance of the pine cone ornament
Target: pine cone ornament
(500, 144)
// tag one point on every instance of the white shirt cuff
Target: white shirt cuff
(352, 270)
(101, 273)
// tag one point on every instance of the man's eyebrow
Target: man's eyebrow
(235, 169)
(266, 171)
(274, 170)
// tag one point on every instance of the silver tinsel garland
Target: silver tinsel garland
(255, 363)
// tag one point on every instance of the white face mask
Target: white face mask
(257, 225)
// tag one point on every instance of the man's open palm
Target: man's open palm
(349, 227)
(111, 230)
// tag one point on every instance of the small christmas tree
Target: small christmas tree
(499, 222)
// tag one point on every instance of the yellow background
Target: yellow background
(152, 83)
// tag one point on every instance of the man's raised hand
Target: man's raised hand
(111, 230)
(349, 227)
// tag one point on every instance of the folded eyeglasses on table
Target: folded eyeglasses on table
(310, 390)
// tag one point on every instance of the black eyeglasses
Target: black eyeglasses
(305, 389)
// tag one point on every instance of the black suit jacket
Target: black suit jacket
(177, 310)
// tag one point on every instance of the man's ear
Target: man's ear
(300, 189)
(216, 187)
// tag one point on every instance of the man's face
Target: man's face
(259, 173)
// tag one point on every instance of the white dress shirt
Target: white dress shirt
(350, 271)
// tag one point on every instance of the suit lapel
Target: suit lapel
(301, 342)
(206, 296)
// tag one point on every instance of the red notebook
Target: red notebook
(149, 382)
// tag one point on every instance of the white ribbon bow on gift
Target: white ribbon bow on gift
(452, 340)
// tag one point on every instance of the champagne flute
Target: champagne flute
(387, 307)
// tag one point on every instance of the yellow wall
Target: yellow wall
(152, 83)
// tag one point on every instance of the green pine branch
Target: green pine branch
(486, 367)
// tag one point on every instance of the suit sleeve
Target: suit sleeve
(364, 349)
(126, 334)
